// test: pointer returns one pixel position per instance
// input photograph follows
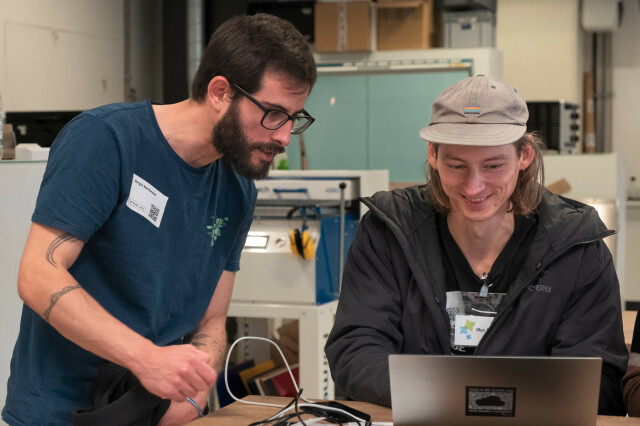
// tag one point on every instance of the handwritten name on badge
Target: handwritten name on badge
(146, 200)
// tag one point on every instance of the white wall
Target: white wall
(542, 45)
(626, 127)
(145, 37)
(626, 86)
(61, 54)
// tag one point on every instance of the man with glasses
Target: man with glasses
(137, 232)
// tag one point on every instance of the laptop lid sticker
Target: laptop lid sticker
(490, 401)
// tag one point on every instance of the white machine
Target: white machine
(303, 225)
(274, 283)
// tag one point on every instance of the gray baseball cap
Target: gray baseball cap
(477, 111)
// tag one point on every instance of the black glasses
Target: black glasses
(274, 119)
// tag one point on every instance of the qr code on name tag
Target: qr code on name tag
(153, 213)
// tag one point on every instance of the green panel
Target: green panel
(338, 137)
(400, 105)
(371, 121)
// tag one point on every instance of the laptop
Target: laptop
(477, 390)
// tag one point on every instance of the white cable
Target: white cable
(226, 372)
(309, 403)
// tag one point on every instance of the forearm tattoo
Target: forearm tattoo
(54, 299)
(218, 345)
(199, 339)
(57, 243)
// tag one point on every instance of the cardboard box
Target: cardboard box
(559, 187)
(405, 25)
(8, 151)
(344, 26)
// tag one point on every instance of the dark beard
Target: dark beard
(229, 139)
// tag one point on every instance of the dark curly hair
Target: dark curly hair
(244, 47)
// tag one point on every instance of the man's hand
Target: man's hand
(176, 372)
(209, 340)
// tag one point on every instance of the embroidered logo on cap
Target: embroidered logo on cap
(471, 110)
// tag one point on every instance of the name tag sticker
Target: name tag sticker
(469, 329)
(146, 200)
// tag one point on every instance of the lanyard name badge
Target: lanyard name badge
(473, 313)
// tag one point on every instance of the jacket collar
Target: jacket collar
(563, 223)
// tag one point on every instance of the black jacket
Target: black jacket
(564, 302)
(120, 399)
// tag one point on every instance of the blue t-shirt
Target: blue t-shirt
(158, 233)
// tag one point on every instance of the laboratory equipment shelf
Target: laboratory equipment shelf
(315, 324)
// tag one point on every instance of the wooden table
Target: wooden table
(242, 414)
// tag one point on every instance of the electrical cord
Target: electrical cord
(307, 408)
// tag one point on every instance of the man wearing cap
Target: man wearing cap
(480, 260)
